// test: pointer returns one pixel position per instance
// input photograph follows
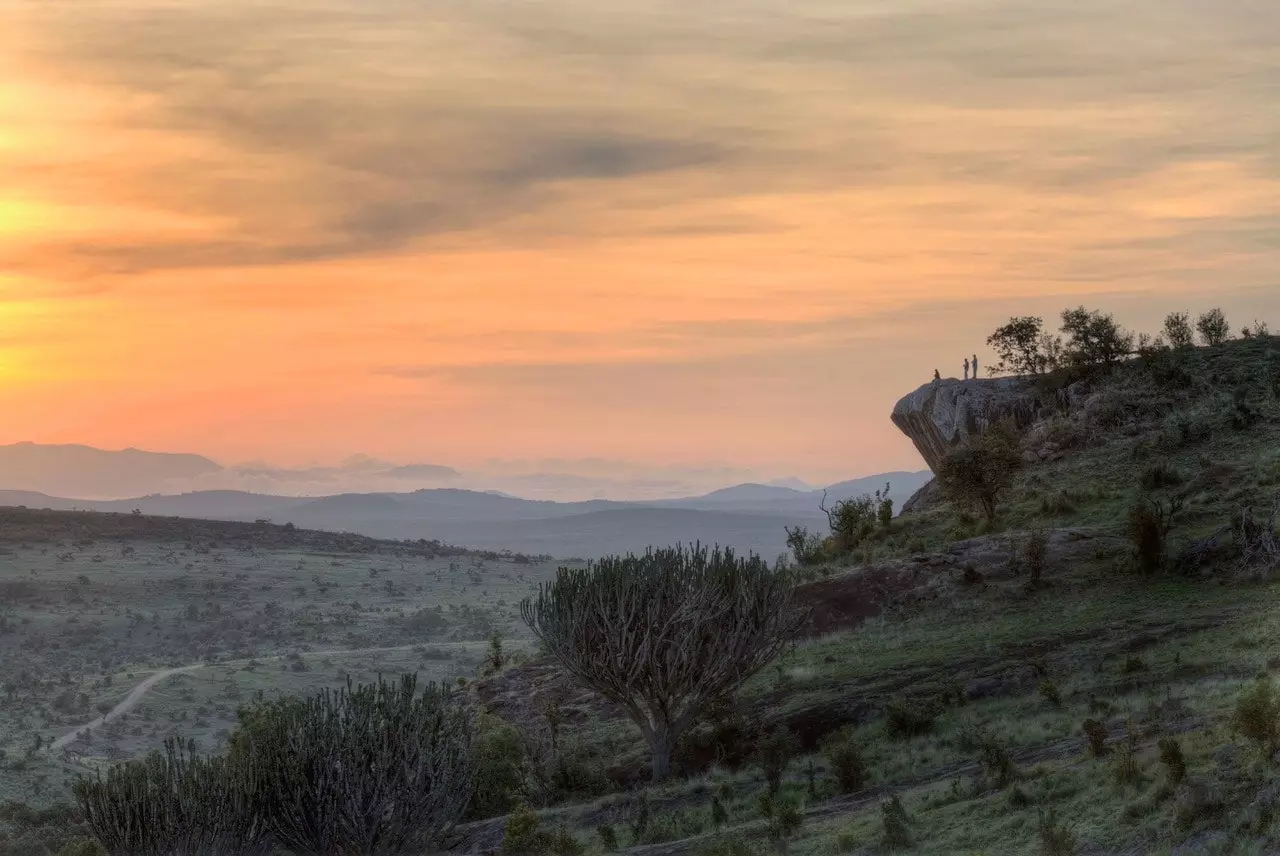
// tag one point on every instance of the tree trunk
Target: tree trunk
(661, 743)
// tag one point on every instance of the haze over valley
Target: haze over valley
(748, 516)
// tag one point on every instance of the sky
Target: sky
(726, 234)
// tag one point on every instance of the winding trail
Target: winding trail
(136, 695)
(127, 704)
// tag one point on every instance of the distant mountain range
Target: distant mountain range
(745, 516)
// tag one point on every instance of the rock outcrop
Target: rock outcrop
(944, 413)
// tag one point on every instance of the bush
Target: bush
(640, 817)
(997, 766)
(784, 815)
(608, 837)
(1161, 474)
(1257, 716)
(1049, 692)
(896, 823)
(1095, 734)
(774, 753)
(1149, 524)
(377, 768)
(501, 768)
(907, 718)
(1056, 837)
(884, 507)
(719, 814)
(523, 836)
(173, 803)
(1213, 327)
(979, 471)
(1126, 762)
(1035, 554)
(852, 521)
(1173, 760)
(845, 758)
(806, 547)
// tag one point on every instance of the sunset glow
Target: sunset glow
(644, 231)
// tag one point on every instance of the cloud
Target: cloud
(359, 129)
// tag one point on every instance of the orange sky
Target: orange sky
(733, 231)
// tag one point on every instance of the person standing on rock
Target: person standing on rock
(966, 368)
(937, 375)
(975, 366)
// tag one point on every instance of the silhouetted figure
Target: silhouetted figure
(966, 368)
(975, 366)
(937, 375)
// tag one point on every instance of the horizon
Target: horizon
(669, 235)
(553, 480)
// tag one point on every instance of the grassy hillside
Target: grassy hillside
(967, 688)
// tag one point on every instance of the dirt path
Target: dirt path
(129, 703)
(136, 695)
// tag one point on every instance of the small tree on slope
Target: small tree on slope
(667, 633)
(979, 471)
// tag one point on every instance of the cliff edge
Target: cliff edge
(942, 414)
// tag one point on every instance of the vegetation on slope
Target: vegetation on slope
(1083, 664)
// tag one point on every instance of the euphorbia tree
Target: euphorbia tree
(667, 633)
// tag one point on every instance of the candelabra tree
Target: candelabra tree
(666, 634)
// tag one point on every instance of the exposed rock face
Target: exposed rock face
(941, 415)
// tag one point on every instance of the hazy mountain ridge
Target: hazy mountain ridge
(747, 516)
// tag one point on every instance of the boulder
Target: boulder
(944, 413)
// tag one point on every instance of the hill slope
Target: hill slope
(967, 696)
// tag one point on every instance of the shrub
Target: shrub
(1177, 330)
(377, 768)
(907, 718)
(501, 767)
(1149, 524)
(845, 758)
(774, 754)
(173, 803)
(1059, 502)
(608, 837)
(979, 471)
(523, 835)
(1257, 716)
(640, 817)
(719, 814)
(1050, 692)
(896, 823)
(997, 766)
(1173, 760)
(884, 507)
(1126, 762)
(1056, 837)
(852, 521)
(1035, 554)
(1095, 733)
(1161, 474)
(1019, 799)
(806, 547)
(784, 815)
(1213, 327)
